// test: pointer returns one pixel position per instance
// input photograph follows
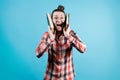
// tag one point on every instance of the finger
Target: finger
(67, 25)
(67, 18)
(67, 21)
(50, 30)
(50, 21)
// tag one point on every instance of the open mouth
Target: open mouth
(62, 24)
(59, 24)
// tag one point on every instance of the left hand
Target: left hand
(66, 31)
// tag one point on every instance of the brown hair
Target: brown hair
(59, 8)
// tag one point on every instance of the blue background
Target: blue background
(23, 22)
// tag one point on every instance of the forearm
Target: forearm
(78, 44)
(41, 49)
(43, 45)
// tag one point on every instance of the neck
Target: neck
(59, 33)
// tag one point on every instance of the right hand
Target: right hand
(51, 34)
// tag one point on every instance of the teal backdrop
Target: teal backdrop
(23, 22)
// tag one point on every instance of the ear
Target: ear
(50, 22)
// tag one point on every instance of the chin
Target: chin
(59, 29)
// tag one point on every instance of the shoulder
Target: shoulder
(72, 32)
(46, 34)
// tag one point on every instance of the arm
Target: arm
(43, 45)
(76, 42)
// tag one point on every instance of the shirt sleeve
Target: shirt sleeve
(43, 45)
(77, 42)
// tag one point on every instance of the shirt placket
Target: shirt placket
(60, 58)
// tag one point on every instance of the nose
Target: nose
(58, 21)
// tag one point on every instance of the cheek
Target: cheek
(63, 20)
(54, 21)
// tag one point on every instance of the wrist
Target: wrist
(70, 38)
(50, 41)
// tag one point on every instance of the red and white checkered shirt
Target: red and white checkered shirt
(60, 60)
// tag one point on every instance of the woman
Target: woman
(59, 45)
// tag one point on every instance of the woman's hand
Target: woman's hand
(66, 31)
(51, 34)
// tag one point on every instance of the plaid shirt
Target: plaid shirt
(60, 61)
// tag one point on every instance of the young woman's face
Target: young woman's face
(58, 20)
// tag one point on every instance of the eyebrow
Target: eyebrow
(56, 15)
(61, 15)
